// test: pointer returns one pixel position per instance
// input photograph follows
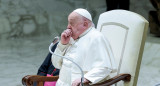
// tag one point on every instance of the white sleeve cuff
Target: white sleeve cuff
(62, 47)
(97, 74)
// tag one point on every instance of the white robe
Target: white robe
(91, 51)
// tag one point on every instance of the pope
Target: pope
(86, 46)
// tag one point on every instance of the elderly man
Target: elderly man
(86, 46)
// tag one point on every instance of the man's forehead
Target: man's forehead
(72, 16)
(71, 19)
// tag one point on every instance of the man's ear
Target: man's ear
(85, 24)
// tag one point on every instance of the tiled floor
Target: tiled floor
(150, 66)
(21, 57)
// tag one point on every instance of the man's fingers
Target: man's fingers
(76, 84)
(68, 32)
(65, 36)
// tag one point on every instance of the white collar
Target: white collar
(72, 41)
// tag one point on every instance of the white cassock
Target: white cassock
(91, 51)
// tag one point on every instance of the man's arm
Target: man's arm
(61, 47)
(60, 50)
(97, 74)
(101, 59)
(93, 76)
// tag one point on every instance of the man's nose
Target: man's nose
(69, 26)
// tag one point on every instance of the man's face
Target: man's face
(75, 24)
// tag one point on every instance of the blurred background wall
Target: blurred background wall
(23, 18)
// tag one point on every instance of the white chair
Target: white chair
(126, 31)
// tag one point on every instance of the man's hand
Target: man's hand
(65, 36)
(77, 82)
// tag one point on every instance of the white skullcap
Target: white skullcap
(84, 13)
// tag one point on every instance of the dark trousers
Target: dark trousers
(47, 66)
(117, 4)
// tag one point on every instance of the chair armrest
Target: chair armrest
(29, 79)
(111, 81)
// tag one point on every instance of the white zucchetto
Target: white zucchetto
(84, 13)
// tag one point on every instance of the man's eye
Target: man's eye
(72, 24)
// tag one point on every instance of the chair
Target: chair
(126, 31)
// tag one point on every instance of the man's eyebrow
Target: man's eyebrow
(72, 20)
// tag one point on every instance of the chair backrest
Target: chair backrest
(126, 31)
